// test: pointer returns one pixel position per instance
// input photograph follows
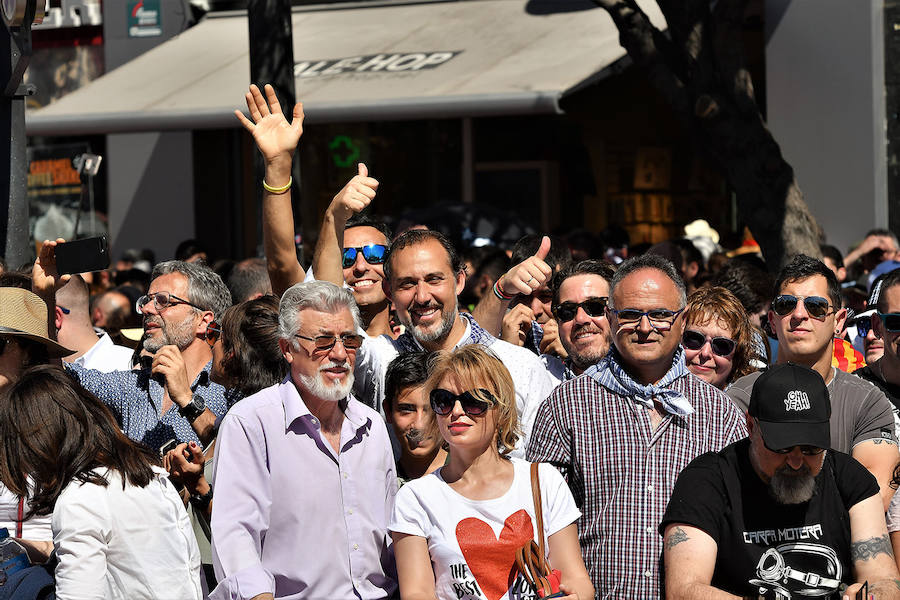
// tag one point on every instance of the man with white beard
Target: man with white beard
(304, 475)
(778, 514)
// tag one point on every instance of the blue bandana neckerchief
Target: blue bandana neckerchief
(610, 374)
(477, 335)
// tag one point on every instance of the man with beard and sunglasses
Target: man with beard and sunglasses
(804, 315)
(423, 276)
(304, 475)
(172, 396)
(778, 514)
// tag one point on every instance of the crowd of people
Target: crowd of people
(405, 418)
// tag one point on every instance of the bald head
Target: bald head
(75, 298)
(111, 310)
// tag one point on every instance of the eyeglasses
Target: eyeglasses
(162, 300)
(350, 341)
(373, 253)
(213, 333)
(64, 310)
(864, 325)
(566, 311)
(804, 450)
(816, 306)
(660, 318)
(891, 321)
(443, 401)
(694, 340)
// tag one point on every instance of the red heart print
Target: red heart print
(490, 560)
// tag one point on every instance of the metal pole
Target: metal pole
(272, 62)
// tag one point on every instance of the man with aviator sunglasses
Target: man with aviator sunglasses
(804, 315)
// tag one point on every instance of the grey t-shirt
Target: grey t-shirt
(859, 410)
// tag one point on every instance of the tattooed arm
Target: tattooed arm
(879, 456)
(689, 556)
(870, 550)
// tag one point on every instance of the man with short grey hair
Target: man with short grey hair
(173, 397)
(305, 478)
(622, 431)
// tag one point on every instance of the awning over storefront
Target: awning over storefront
(382, 62)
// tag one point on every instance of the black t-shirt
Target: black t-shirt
(764, 546)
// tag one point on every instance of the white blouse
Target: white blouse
(126, 543)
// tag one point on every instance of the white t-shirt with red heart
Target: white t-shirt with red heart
(473, 542)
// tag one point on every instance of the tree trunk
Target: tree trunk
(698, 67)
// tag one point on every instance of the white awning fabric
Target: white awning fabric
(365, 62)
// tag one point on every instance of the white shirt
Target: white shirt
(35, 529)
(472, 542)
(532, 381)
(106, 357)
(129, 544)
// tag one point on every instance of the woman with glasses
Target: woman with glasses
(718, 338)
(456, 530)
(246, 358)
(120, 530)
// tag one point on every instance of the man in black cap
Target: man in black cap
(776, 515)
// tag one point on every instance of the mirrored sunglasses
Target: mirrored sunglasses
(443, 401)
(816, 306)
(694, 340)
(566, 311)
(863, 325)
(373, 253)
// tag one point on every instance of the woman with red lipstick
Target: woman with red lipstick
(456, 530)
(718, 337)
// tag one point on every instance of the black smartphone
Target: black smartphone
(82, 256)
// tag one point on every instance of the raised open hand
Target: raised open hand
(274, 136)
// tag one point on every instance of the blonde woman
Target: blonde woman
(456, 530)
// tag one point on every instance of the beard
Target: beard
(335, 392)
(586, 357)
(422, 335)
(789, 486)
(175, 334)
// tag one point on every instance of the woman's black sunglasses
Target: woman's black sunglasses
(816, 306)
(566, 311)
(443, 401)
(373, 253)
(694, 340)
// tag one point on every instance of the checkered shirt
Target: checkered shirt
(622, 472)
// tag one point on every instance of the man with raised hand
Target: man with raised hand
(423, 276)
(622, 431)
(349, 251)
(804, 315)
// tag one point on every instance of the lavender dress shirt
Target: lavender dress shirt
(293, 518)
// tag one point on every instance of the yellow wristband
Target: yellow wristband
(278, 190)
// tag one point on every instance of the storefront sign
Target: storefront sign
(144, 18)
(51, 175)
(373, 63)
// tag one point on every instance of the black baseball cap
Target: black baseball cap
(792, 406)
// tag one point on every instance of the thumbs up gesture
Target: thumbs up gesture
(355, 196)
(528, 275)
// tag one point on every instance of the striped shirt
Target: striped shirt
(622, 471)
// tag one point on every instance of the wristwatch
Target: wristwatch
(193, 409)
(201, 501)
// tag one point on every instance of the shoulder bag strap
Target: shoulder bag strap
(538, 507)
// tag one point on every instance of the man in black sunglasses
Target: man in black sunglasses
(805, 314)
(777, 515)
(884, 302)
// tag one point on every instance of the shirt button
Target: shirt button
(350, 511)
(650, 488)
(345, 475)
(647, 573)
(356, 546)
(650, 530)
(314, 421)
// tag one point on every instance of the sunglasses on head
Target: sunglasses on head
(694, 340)
(443, 401)
(816, 306)
(566, 311)
(373, 253)
(891, 321)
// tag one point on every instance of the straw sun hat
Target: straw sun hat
(24, 314)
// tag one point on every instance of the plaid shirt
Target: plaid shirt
(622, 471)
